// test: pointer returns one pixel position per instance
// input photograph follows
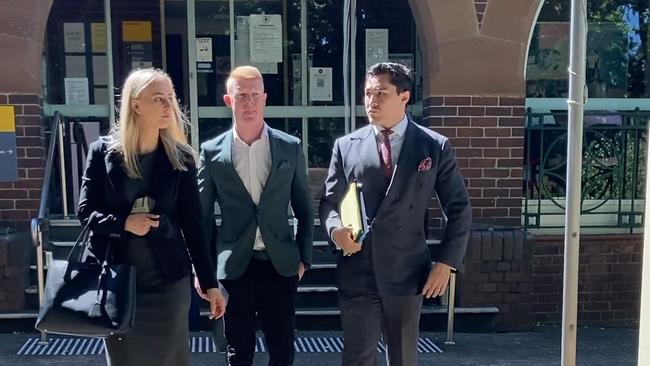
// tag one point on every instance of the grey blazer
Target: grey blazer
(287, 182)
(395, 259)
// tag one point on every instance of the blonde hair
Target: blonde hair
(125, 132)
(243, 73)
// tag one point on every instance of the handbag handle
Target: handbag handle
(83, 242)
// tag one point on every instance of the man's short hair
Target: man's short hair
(243, 73)
(401, 76)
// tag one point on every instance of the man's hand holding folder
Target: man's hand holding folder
(353, 217)
(343, 239)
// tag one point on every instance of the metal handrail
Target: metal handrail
(451, 309)
(40, 224)
(49, 162)
(79, 137)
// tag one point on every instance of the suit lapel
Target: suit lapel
(406, 166)
(369, 171)
(116, 175)
(274, 145)
(370, 151)
(163, 171)
(231, 173)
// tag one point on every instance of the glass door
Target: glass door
(226, 34)
(299, 47)
(305, 97)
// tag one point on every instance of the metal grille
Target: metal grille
(71, 346)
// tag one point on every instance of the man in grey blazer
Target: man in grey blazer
(401, 166)
(254, 172)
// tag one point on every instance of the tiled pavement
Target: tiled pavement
(541, 346)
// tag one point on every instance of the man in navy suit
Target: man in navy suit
(401, 166)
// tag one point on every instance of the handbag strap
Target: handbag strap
(83, 242)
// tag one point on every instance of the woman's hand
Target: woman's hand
(140, 224)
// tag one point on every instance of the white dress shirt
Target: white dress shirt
(396, 138)
(253, 164)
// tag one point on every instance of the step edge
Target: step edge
(62, 244)
(303, 311)
(425, 310)
(325, 243)
(316, 243)
(19, 315)
(317, 289)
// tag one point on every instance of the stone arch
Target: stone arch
(22, 31)
(465, 57)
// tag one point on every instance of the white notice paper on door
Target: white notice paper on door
(266, 38)
(243, 50)
(204, 49)
(320, 84)
(376, 46)
(74, 37)
(76, 91)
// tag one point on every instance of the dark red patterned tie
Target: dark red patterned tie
(386, 154)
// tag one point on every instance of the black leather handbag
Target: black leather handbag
(89, 297)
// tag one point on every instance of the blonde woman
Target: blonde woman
(140, 194)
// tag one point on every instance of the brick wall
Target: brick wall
(609, 280)
(498, 273)
(15, 250)
(19, 200)
(488, 135)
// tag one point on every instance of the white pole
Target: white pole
(573, 185)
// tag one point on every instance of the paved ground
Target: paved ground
(596, 347)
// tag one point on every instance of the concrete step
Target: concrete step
(65, 231)
(326, 296)
(432, 318)
(320, 274)
(317, 296)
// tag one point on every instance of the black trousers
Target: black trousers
(260, 292)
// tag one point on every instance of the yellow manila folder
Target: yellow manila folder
(353, 212)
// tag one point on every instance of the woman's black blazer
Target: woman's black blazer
(103, 203)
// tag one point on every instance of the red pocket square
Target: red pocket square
(424, 165)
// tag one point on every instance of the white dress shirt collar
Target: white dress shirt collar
(398, 130)
(264, 135)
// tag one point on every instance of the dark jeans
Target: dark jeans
(260, 291)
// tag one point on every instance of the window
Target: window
(617, 43)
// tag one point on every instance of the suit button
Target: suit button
(399, 228)
(257, 211)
